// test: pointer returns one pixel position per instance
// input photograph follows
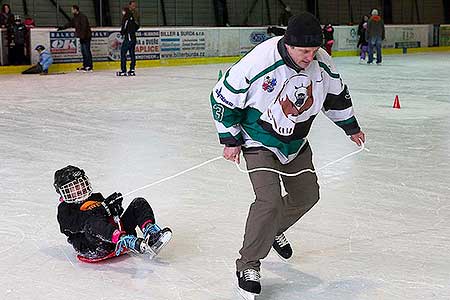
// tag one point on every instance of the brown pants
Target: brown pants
(271, 214)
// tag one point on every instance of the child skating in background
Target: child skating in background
(99, 228)
(363, 45)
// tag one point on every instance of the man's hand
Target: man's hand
(358, 138)
(232, 153)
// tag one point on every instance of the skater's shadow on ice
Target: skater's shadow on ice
(294, 284)
(289, 283)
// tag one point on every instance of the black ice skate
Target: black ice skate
(131, 73)
(120, 73)
(249, 285)
(282, 246)
(85, 69)
(156, 238)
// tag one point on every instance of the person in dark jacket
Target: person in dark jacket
(45, 61)
(7, 22)
(128, 32)
(6, 17)
(82, 31)
(97, 227)
(132, 6)
(362, 42)
(285, 15)
(18, 42)
(375, 35)
(328, 37)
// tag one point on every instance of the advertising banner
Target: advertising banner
(345, 38)
(180, 43)
(407, 36)
(250, 37)
(105, 45)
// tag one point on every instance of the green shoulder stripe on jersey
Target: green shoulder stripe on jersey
(327, 69)
(227, 116)
(257, 133)
(259, 75)
(345, 122)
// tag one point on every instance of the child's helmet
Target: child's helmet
(72, 184)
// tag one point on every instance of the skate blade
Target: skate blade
(246, 295)
(286, 260)
(154, 250)
(162, 242)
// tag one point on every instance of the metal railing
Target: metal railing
(224, 13)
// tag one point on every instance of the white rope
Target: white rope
(305, 170)
(173, 176)
(246, 171)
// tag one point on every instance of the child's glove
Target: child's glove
(113, 204)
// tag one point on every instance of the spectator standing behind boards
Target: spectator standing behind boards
(362, 42)
(6, 17)
(17, 46)
(45, 61)
(29, 23)
(7, 21)
(328, 37)
(128, 32)
(375, 35)
(284, 16)
(82, 31)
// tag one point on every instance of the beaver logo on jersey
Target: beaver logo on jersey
(294, 98)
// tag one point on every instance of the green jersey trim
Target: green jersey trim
(259, 75)
(327, 69)
(222, 114)
(229, 135)
(345, 122)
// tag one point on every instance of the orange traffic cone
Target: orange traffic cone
(396, 102)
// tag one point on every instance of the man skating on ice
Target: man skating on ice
(82, 31)
(89, 220)
(264, 106)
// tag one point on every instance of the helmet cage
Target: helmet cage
(76, 191)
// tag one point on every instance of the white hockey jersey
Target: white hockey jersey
(266, 100)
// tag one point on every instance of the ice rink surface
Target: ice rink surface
(380, 231)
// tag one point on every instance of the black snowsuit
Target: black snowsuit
(90, 231)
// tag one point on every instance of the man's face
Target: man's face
(302, 56)
(74, 11)
(133, 5)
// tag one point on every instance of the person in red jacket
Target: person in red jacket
(375, 36)
(328, 32)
